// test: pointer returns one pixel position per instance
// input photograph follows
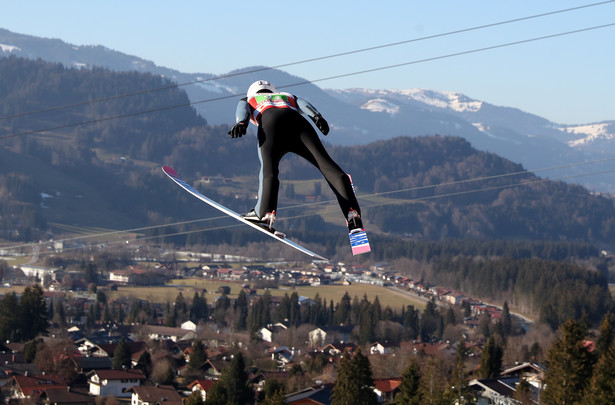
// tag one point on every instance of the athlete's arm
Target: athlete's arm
(242, 115)
(311, 111)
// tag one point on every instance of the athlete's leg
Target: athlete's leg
(270, 152)
(311, 148)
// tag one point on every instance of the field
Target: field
(187, 287)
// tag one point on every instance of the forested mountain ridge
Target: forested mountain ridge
(111, 162)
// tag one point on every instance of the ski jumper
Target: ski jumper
(282, 129)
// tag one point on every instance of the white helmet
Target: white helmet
(259, 86)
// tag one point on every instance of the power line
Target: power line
(166, 108)
(362, 197)
(373, 205)
(320, 58)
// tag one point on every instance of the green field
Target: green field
(187, 287)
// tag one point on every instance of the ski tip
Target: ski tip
(169, 170)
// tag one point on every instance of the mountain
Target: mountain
(360, 116)
(106, 174)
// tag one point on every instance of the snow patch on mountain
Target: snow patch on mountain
(380, 105)
(9, 48)
(588, 133)
(442, 99)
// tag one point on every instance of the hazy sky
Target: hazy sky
(569, 79)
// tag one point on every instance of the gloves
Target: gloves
(321, 123)
(238, 130)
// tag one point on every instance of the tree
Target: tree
(163, 373)
(460, 391)
(506, 320)
(354, 384)
(569, 366)
(145, 363)
(194, 399)
(274, 392)
(198, 356)
(240, 308)
(491, 359)
(217, 394)
(605, 336)
(122, 356)
(9, 317)
(235, 380)
(32, 313)
(601, 388)
(409, 390)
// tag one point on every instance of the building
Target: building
(201, 386)
(154, 395)
(115, 383)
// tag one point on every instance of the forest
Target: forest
(115, 136)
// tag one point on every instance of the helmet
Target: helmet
(260, 86)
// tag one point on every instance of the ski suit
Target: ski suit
(282, 129)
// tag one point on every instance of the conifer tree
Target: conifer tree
(32, 313)
(198, 356)
(506, 321)
(602, 385)
(235, 380)
(217, 394)
(491, 359)
(460, 392)
(354, 383)
(605, 336)
(342, 310)
(569, 366)
(240, 308)
(409, 390)
(122, 356)
(145, 364)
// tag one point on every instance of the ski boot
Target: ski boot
(266, 222)
(355, 225)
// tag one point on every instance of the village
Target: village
(303, 357)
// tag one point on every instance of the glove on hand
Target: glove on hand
(238, 130)
(321, 123)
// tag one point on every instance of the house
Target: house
(165, 332)
(531, 372)
(495, 390)
(310, 396)
(386, 389)
(380, 348)
(265, 334)
(67, 396)
(116, 383)
(154, 395)
(282, 355)
(338, 349)
(201, 386)
(454, 298)
(189, 325)
(317, 337)
(214, 368)
(26, 386)
(121, 276)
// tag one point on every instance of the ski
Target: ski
(358, 240)
(279, 237)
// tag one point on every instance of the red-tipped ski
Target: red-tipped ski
(358, 238)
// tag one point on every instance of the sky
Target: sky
(567, 79)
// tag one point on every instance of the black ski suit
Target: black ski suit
(282, 129)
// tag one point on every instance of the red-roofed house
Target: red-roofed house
(115, 383)
(22, 386)
(386, 389)
(202, 386)
(155, 394)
